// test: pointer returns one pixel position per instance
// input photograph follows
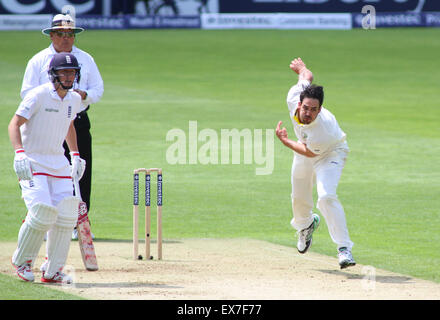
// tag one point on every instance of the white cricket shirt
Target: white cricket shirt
(323, 134)
(49, 119)
(91, 80)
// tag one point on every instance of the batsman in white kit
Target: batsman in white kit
(320, 155)
(42, 122)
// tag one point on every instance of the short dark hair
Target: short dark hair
(314, 92)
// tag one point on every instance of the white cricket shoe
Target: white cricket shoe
(345, 258)
(305, 235)
(59, 277)
(24, 272)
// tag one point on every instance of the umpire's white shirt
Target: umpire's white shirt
(323, 134)
(49, 118)
(91, 80)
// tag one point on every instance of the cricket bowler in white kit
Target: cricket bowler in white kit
(42, 122)
(320, 155)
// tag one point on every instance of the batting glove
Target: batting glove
(78, 166)
(22, 165)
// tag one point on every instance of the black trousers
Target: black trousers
(84, 140)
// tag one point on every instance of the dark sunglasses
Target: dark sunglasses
(63, 33)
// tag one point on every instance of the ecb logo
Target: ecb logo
(369, 20)
(38, 6)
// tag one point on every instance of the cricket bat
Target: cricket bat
(85, 240)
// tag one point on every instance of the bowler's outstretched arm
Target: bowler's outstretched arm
(299, 67)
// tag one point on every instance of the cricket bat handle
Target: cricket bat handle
(76, 188)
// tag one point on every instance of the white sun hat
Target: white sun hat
(60, 22)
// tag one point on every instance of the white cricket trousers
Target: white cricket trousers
(45, 189)
(326, 171)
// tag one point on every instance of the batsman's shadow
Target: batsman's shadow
(378, 278)
(121, 285)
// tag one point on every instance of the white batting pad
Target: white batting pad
(39, 220)
(59, 236)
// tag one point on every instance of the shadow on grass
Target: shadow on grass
(378, 278)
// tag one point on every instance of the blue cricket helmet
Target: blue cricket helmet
(61, 61)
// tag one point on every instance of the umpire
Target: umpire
(91, 87)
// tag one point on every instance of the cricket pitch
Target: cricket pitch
(226, 269)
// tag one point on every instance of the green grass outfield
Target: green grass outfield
(382, 85)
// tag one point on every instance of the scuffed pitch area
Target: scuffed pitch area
(226, 269)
